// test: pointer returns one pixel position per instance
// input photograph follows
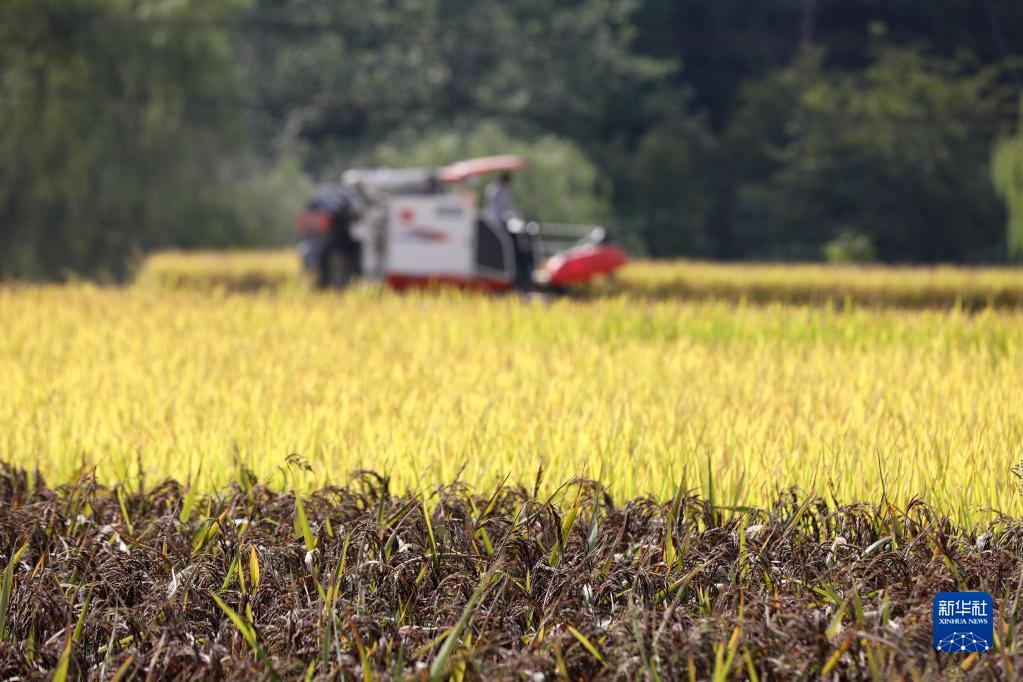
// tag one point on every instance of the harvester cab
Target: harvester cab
(421, 226)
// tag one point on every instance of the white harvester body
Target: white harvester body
(411, 227)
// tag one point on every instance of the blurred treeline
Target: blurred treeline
(781, 129)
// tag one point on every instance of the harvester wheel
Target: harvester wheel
(337, 269)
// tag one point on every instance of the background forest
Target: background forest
(779, 130)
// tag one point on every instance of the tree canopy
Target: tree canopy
(792, 129)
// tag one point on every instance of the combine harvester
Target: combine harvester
(422, 226)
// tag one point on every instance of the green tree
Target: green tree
(669, 188)
(1007, 171)
(335, 73)
(338, 71)
(760, 128)
(898, 153)
(569, 67)
(116, 121)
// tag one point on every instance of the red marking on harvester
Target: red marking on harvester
(313, 222)
(463, 170)
(426, 234)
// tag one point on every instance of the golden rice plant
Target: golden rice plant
(731, 401)
(872, 285)
(221, 270)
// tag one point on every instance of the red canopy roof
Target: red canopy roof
(457, 172)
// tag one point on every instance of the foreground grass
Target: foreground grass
(360, 583)
(804, 284)
(733, 400)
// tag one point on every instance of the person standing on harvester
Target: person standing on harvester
(500, 203)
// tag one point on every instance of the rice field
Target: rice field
(820, 284)
(729, 401)
(936, 287)
(697, 471)
(235, 271)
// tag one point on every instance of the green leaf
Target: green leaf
(191, 497)
(302, 529)
(248, 632)
(440, 664)
(5, 588)
(81, 618)
(60, 674)
(124, 510)
(254, 573)
(587, 644)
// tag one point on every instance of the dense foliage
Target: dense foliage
(1007, 168)
(712, 129)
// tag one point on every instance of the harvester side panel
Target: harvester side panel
(431, 236)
